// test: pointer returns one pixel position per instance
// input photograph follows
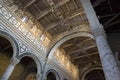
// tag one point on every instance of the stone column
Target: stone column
(10, 69)
(109, 64)
(38, 76)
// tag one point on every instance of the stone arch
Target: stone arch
(54, 72)
(89, 70)
(35, 59)
(65, 38)
(12, 41)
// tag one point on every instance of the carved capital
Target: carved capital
(98, 31)
(117, 55)
(14, 61)
(38, 76)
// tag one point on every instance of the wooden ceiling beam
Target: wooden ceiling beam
(62, 2)
(42, 14)
(52, 25)
(79, 61)
(81, 51)
(108, 15)
(86, 55)
(66, 45)
(89, 47)
(75, 4)
(110, 20)
(87, 42)
(98, 2)
(112, 23)
(55, 30)
(29, 3)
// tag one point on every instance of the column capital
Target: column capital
(14, 61)
(98, 31)
(38, 76)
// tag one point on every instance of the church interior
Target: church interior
(59, 40)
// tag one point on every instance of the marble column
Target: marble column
(38, 76)
(109, 64)
(10, 69)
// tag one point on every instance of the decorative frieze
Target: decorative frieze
(5, 13)
(23, 48)
(14, 22)
(30, 36)
(23, 30)
(1, 27)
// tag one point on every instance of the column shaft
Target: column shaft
(8, 72)
(38, 76)
(10, 69)
(109, 64)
